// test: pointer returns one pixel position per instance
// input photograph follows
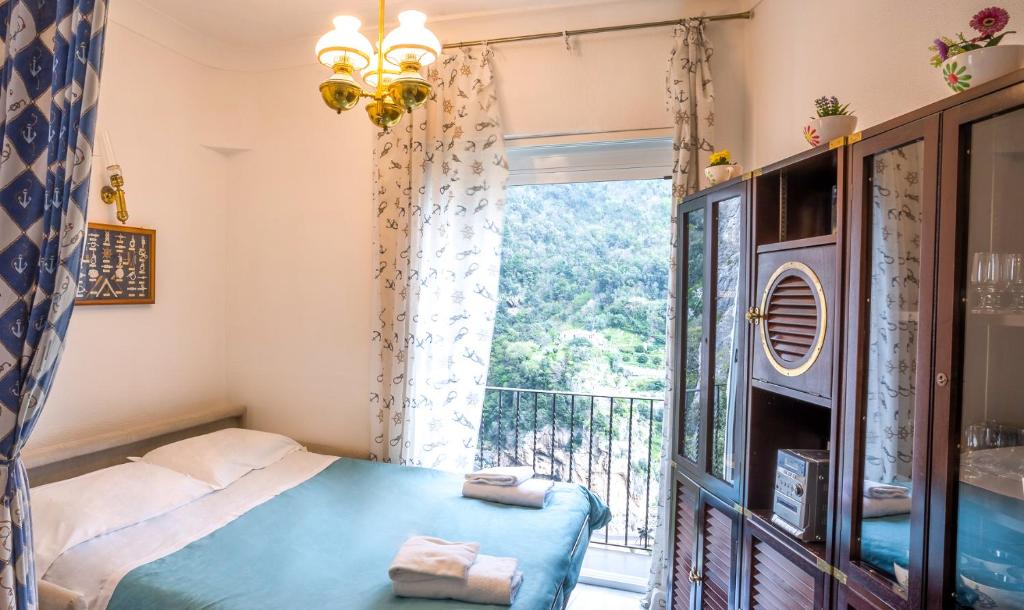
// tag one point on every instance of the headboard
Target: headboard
(70, 459)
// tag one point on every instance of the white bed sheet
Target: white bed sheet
(93, 569)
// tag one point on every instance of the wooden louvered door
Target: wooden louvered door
(684, 542)
(777, 573)
(718, 564)
(794, 320)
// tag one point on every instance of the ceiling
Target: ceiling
(256, 23)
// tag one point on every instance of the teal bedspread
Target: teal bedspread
(328, 542)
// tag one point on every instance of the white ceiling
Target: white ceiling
(256, 23)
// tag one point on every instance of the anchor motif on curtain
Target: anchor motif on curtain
(53, 51)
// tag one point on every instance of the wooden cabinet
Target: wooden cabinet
(934, 346)
(883, 281)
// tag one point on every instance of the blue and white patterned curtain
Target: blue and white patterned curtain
(691, 102)
(52, 53)
(440, 194)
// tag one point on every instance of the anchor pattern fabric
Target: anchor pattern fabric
(52, 54)
(440, 194)
(691, 100)
(891, 391)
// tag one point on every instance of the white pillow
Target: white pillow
(70, 512)
(222, 457)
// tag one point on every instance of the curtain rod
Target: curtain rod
(612, 28)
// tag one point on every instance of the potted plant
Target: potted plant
(721, 168)
(834, 120)
(968, 62)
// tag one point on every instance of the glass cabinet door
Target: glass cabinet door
(690, 313)
(988, 403)
(891, 252)
(889, 392)
(727, 215)
(712, 275)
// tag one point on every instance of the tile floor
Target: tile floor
(589, 597)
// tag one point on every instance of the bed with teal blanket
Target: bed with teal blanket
(328, 542)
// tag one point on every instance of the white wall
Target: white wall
(137, 363)
(871, 53)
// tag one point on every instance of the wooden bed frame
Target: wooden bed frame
(65, 460)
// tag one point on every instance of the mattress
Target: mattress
(319, 532)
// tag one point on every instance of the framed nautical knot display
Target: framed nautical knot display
(117, 266)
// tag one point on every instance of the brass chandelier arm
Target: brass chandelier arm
(601, 30)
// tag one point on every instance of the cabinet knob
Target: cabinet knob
(942, 379)
(754, 316)
(694, 576)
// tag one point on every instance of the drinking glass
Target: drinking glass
(1013, 274)
(985, 277)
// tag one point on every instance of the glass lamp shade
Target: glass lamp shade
(411, 42)
(344, 45)
(370, 74)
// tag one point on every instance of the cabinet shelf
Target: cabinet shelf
(999, 319)
(819, 401)
(793, 244)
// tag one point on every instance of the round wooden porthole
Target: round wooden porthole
(794, 320)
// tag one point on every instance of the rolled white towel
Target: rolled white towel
(883, 507)
(506, 476)
(491, 580)
(874, 489)
(532, 493)
(423, 558)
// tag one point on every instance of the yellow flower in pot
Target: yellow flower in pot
(720, 167)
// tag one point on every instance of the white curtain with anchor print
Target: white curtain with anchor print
(439, 192)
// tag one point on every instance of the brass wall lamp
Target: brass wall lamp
(113, 192)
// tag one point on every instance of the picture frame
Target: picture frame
(118, 266)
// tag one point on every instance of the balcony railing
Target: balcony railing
(612, 444)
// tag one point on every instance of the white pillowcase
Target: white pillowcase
(70, 512)
(222, 457)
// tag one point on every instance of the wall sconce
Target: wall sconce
(113, 192)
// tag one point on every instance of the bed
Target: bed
(318, 531)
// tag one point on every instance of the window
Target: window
(576, 381)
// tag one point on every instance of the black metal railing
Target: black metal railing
(610, 443)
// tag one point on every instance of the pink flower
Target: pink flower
(990, 21)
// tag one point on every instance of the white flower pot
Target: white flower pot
(970, 69)
(718, 173)
(824, 129)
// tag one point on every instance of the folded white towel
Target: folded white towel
(425, 558)
(491, 580)
(532, 493)
(874, 489)
(508, 476)
(883, 507)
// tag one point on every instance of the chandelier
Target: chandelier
(391, 73)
